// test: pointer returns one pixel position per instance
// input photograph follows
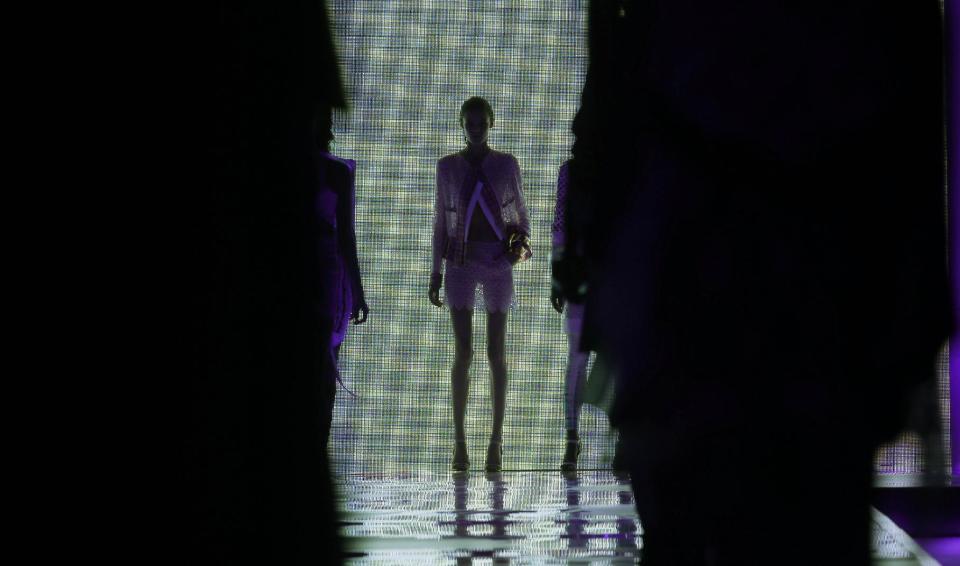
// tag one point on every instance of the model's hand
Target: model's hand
(569, 277)
(436, 280)
(557, 300)
(518, 246)
(360, 311)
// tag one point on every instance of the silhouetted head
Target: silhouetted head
(323, 127)
(476, 119)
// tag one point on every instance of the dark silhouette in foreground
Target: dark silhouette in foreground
(758, 191)
(343, 296)
(260, 485)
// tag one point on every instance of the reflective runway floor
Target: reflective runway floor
(516, 518)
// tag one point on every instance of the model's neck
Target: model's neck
(477, 150)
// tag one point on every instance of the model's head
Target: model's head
(476, 119)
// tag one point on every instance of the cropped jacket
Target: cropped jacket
(502, 173)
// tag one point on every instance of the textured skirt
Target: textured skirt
(485, 280)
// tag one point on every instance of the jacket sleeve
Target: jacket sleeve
(523, 219)
(439, 225)
(561, 206)
(346, 228)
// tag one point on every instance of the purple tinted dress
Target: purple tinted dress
(341, 294)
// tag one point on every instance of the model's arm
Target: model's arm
(556, 297)
(560, 209)
(439, 241)
(347, 243)
(519, 243)
(524, 219)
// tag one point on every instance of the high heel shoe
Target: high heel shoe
(569, 463)
(461, 461)
(495, 457)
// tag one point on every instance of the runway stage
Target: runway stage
(531, 517)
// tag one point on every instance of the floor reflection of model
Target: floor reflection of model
(522, 516)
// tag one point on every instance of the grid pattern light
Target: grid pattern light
(408, 65)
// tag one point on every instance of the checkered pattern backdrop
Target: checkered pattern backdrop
(408, 65)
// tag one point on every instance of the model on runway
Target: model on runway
(480, 231)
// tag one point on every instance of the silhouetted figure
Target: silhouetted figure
(480, 231)
(575, 378)
(344, 298)
(578, 355)
(260, 485)
(757, 189)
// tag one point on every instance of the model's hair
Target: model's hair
(476, 103)
(323, 126)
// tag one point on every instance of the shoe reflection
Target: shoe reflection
(576, 521)
(626, 526)
(484, 523)
(580, 516)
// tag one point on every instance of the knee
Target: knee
(496, 357)
(463, 356)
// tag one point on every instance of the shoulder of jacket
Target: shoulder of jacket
(337, 165)
(505, 160)
(447, 160)
(350, 163)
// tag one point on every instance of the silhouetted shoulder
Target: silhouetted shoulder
(337, 172)
(446, 160)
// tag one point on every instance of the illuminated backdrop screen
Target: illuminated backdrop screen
(407, 67)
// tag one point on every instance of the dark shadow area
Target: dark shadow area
(753, 242)
(758, 194)
(922, 511)
(929, 514)
(259, 479)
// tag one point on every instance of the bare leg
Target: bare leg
(576, 379)
(460, 378)
(496, 348)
